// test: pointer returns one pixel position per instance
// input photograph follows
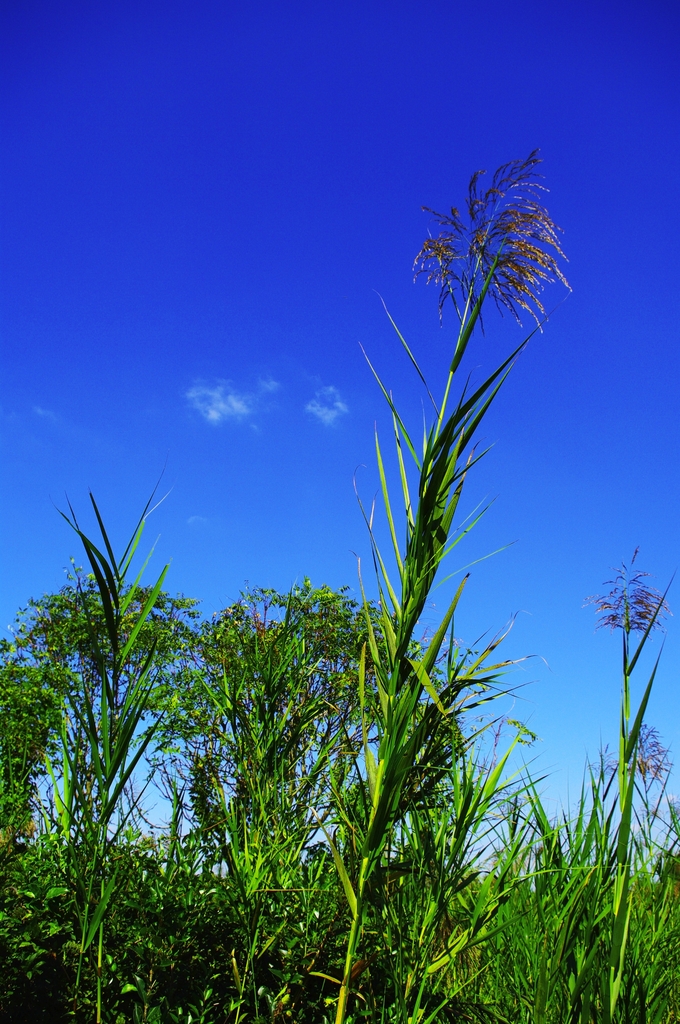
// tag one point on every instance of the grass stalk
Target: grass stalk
(101, 749)
(409, 712)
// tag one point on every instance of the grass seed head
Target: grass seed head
(631, 604)
(505, 222)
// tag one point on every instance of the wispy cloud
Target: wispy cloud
(327, 406)
(219, 403)
(222, 401)
(46, 414)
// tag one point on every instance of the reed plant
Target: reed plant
(581, 947)
(500, 251)
(286, 739)
(102, 741)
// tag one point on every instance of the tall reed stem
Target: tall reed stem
(102, 747)
(409, 713)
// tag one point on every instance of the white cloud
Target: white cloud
(219, 403)
(196, 520)
(327, 406)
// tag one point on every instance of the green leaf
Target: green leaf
(100, 910)
(56, 890)
(151, 600)
(341, 869)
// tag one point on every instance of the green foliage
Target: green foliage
(339, 845)
(50, 661)
(273, 681)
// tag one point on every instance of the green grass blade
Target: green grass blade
(341, 869)
(151, 600)
(411, 357)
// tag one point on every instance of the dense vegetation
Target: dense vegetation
(341, 841)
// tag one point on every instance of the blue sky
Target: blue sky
(201, 206)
